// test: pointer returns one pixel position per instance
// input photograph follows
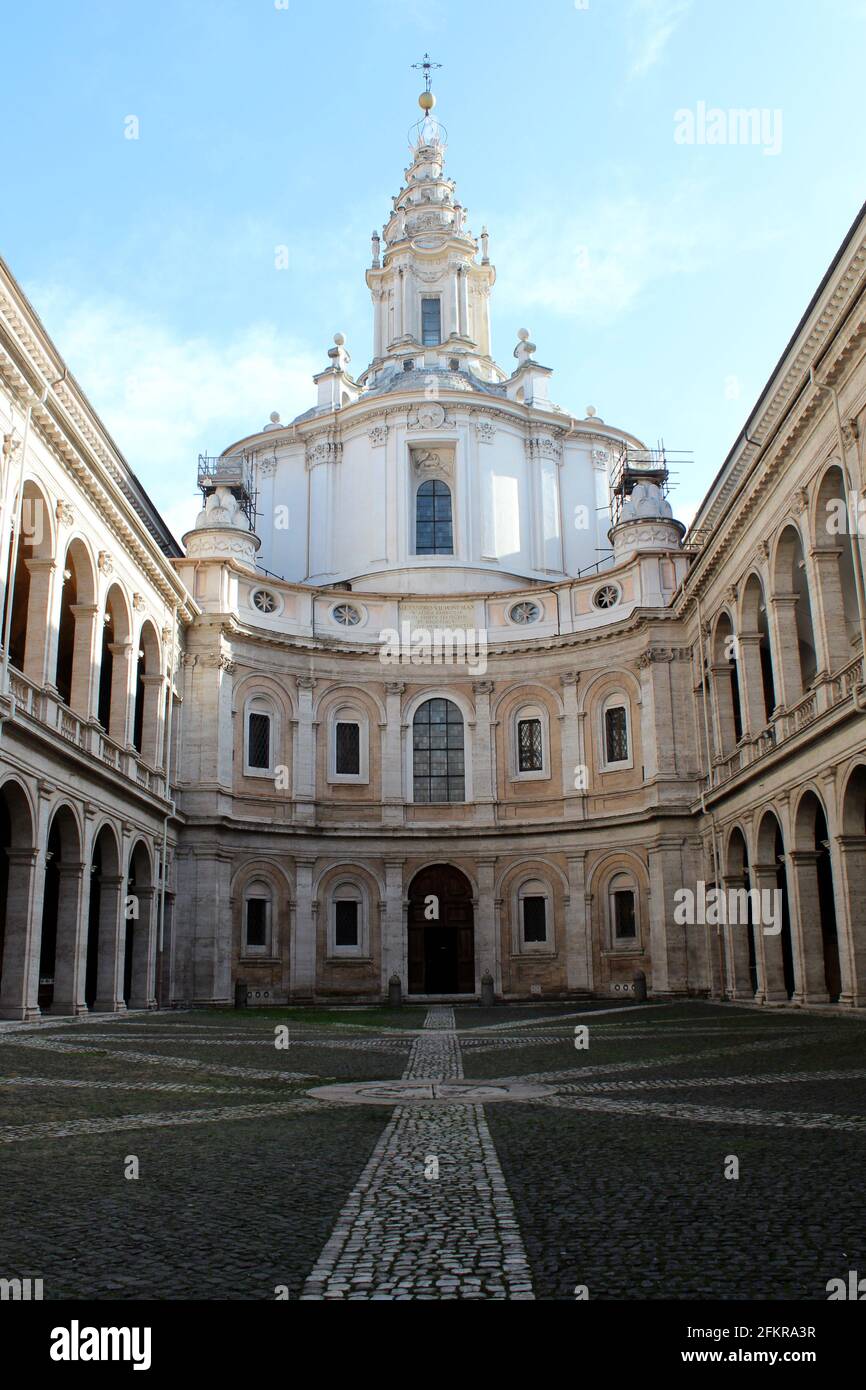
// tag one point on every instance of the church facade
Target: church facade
(438, 691)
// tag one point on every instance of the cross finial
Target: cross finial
(426, 66)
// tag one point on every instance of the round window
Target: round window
(525, 613)
(265, 601)
(608, 596)
(346, 615)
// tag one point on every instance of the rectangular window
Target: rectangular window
(530, 751)
(616, 735)
(431, 322)
(257, 922)
(346, 923)
(348, 750)
(534, 919)
(259, 741)
(623, 915)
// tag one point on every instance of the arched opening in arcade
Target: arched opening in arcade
(441, 932)
(814, 872)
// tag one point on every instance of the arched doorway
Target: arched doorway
(441, 932)
(18, 980)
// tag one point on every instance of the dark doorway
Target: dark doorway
(50, 906)
(441, 932)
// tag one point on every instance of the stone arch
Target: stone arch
(816, 900)
(756, 655)
(147, 724)
(833, 567)
(348, 894)
(103, 984)
(29, 579)
(776, 969)
(441, 931)
(260, 932)
(18, 857)
(519, 880)
(140, 912)
(76, 627)
(852, 855)
(115, 684)
(742, 947)
(608, 690)
(795, 643)
(61, 903)
(725, 669)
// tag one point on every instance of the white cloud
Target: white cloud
(652, 24)
(164, 397)
(596, 262)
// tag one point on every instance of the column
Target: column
(486, 943)
(392, 754)
(572, 750)
(121, 693)
(850, 885)
(737, 933)
(806, 935)
(304, 933)
(455, 301)
(112, 943)
(305, 751)
(771, 970)
(833, 650)
(143, 993)
(19, 989)
(394, 960)
(751, 684)
(578, 927)
(786, 649)
(482, 754)
(723, 709)
(71, 957)
(667, 940)
(84, 659)
(210, 923)
(40, 630)
(151, 731)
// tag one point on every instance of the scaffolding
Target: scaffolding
(238, 474)
(632, 466)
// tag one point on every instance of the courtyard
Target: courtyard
(436, 1153)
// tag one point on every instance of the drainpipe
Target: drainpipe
(724, 964)
(856, 553)
(170, 813)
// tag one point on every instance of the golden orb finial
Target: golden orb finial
(427, 101)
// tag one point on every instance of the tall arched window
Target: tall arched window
(258, 906)
(434, 530)
(259, 737)
(439, 772)
(535, 920)
(616, 732)
(623, 909)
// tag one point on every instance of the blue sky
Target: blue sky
(660, 279)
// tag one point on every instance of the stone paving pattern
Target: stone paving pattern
(613, 1180)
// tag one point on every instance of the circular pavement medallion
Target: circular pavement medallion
(427, 1092)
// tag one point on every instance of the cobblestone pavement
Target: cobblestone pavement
(430, 1217)
(613, 1177)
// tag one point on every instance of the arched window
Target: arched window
(616, 732)
(623, 911)
(348, 744)
(434, 530)
(534, 916)
(439, 772)
(257, 919)
(348, 934)
(259, 737)
(530, 741)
